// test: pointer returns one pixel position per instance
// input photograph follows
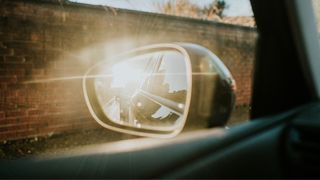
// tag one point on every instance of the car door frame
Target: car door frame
(253, 149)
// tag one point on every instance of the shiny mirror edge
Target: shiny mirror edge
(140, 131)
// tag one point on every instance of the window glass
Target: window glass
(316, 5)
(311, 44)
(46, 47)
(227, 11)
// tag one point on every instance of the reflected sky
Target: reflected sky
(176, 82)
(135, 70)
(146, 91)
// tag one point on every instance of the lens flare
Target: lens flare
(123, 74)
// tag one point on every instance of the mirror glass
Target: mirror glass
(147, 91)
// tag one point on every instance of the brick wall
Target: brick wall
(46, 39)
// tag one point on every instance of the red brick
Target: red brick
(14, 59)
(15, 99)
(7, 120)
(15, 113)
(35, 112)
(26, 134)
(8, 79)
(8, 136)
(23, 45)
(26, 52)
(17, 72)
(2, 115)
(17, 65)
(37, 72)
(3, 72)
(6, 51)
(36, 37)
(46, 41)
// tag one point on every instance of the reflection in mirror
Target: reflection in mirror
(148, 91)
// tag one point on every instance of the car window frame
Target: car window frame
(280, 83)
(303, 22)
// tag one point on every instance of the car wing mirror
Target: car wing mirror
(159, 90)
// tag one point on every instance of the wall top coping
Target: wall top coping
(101, 8)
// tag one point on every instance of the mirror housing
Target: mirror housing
(213, 89)
(159, 90)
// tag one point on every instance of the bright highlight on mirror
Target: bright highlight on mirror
(150, 92)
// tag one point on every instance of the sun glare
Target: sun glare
(123, 74)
